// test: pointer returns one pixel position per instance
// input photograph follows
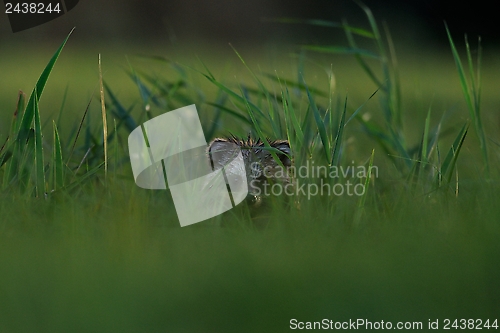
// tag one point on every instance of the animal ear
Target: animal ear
(221, 152)
(284, 147)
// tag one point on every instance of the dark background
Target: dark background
(230, 21)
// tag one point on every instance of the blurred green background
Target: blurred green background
(187, 30)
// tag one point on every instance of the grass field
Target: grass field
(83, 249)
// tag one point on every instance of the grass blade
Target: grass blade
(338, 139)
(58, 122)
(291, 122)
(21, 104)
(355, 113)
(119, 110)
(461, 73)
(471, 94)
(325, 24)
(273, 115)
(85, 176)
(28, 115)
(294, 84)
(9, 145)
(321, 126)
(57, 160)
(104, 120)
(341, 50)
(260, 133)
(425, 139)
(79, 129)
(232, 113)
(237, 97)
(220, 100)
(362, 63)
(451, 158)
(39, 163)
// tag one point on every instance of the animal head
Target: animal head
(261, 168)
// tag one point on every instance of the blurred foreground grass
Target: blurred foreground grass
(117, 261)
(108, 256)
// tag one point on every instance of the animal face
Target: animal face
(261, 168)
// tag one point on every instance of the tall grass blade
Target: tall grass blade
(362, 63)
(65, 96)
(373, 26)
(379, 135)
(39, 163)
(461, 73)
(147, 95)
(210, 75)
(115, 149)
(7, 150)
(392, 73)
(273, 115)
(338, 139)
(341, 50)
(241, 99)
(57, 160)
(79, 130)
(320, 125)
(232, 113)
(4, 157)
(104, 120)
(425, 140)
(216, 120)
(446, 170)
(119, 110)
(28, 141)
(324, 23)
(260, 133)
(85, 176)
(20, 107)
(472, 94)
(28, 115)
(298, 85)
(355, 113)
(291, 118)
(84, 159)
(423, 154)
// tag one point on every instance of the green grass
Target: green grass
(82, 248)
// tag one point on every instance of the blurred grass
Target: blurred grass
(86, 265)
(113, 258)
(427, 75)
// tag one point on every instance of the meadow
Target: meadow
(83, 249)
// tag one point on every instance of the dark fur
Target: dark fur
(256, 158)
